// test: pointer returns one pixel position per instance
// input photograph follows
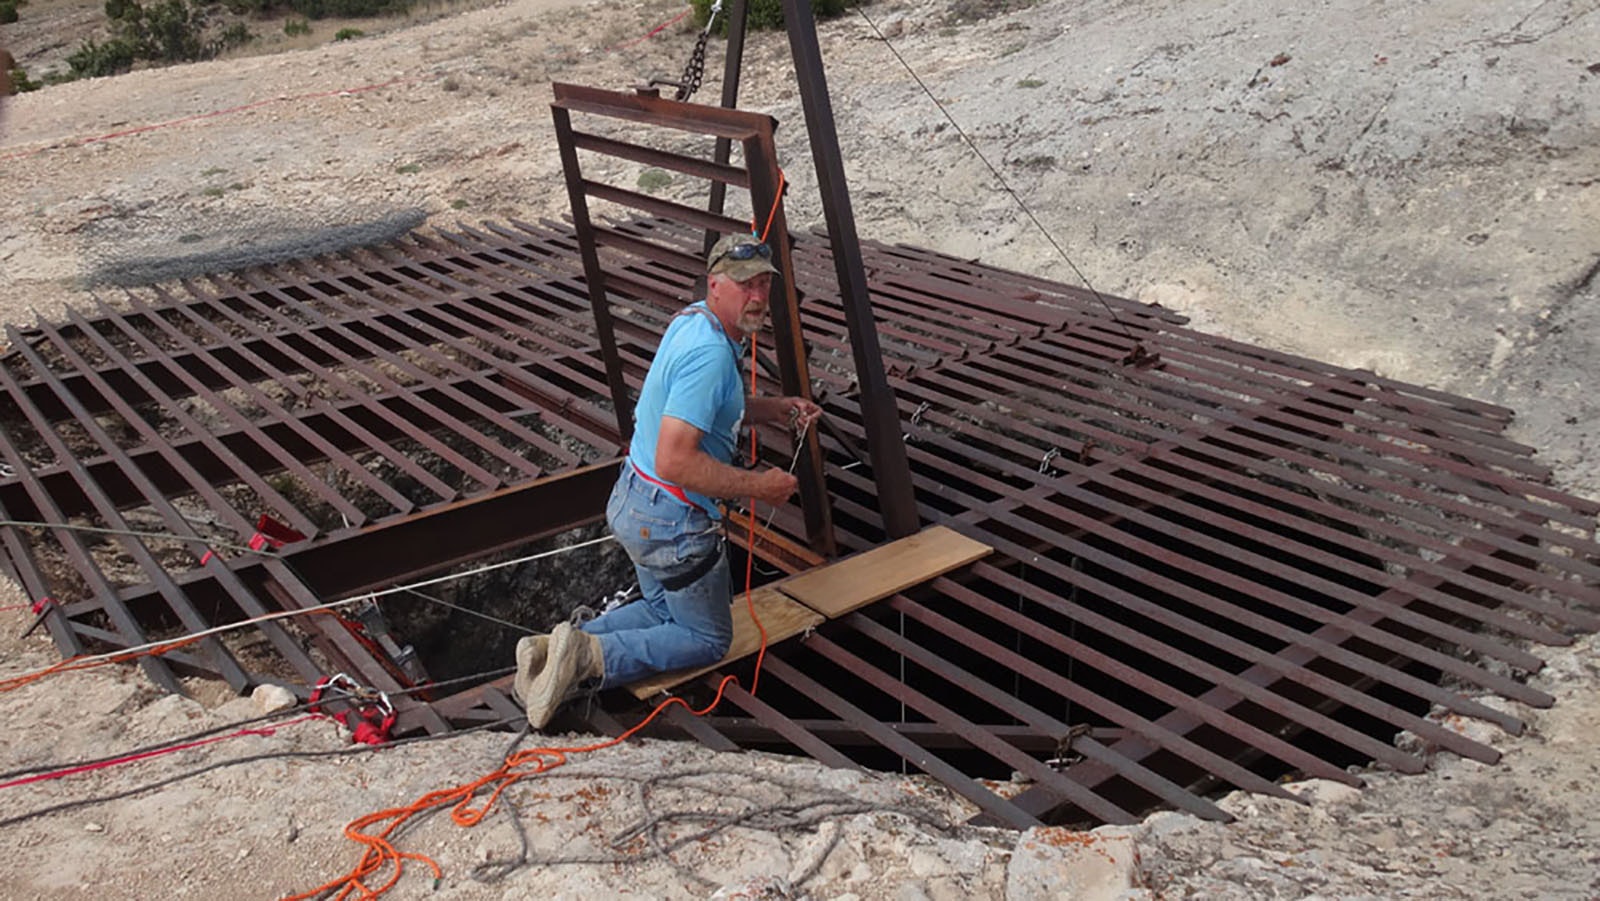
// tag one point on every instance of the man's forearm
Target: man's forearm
(761, 408)
(701, 473)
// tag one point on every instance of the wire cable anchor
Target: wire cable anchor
(371, 715)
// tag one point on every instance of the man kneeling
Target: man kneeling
(662, 509)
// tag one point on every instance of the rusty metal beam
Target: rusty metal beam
(889, 466)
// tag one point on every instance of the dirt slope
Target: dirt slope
(1410, 188)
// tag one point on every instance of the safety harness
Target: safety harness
(709, 562)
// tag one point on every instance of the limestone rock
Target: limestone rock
(271, 698)
(1051, 862)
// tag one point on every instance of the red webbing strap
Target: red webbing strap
(673, 490)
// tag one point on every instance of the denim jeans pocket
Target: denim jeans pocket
(700, 539)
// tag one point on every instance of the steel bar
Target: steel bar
(1283, 458)
(396, 551)
(593, 275)
(1037, 719)
(918, 757)
(889, 465)
(177, 527)
(1112, 710)
(337, 418)
(732, 66)
(968, 731)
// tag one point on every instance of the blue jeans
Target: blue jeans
(666, 629)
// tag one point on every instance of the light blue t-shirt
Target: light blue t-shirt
(695, 378)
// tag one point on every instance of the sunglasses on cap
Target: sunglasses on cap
(743, 252)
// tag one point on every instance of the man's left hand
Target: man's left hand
(802, 413)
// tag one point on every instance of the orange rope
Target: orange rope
(771, 215)
(380, 854)
(90, 661)
(80, 662)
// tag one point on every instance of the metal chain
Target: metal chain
(696, 68)
(694, 71)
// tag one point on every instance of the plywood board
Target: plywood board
(851, 584)
(781, 617)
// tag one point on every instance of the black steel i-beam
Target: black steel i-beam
(890, 468)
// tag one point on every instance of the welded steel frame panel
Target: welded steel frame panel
(763, 179)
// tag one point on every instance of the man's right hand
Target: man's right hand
(775, 486)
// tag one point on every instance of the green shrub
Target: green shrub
(235, 35)
(292, 27)
(169, 31)
(8, 12)
(652, 180)
(347, 9)
(345, 34)
(20, 82)
(768, 14)
(309, 9)
(93, 59)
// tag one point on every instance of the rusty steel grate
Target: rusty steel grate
(1214, 566)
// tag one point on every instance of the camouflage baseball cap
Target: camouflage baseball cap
(740, 257)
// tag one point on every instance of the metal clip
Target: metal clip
(1064, 754)
(1051, 454)
(916, 419)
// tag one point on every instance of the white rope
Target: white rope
(285, 614)
(799, 447)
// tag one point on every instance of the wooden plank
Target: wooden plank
(781, 616)
(873, 575)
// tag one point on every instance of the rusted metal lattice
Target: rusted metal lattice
(1214, 567)
(1215, 564)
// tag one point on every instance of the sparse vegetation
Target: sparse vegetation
(321, 9)
(408, 169)
(1030, 83)
(963, 11)
(169, 31)
(173, 31)
(21, 83)
(768, 14)
(653, 180)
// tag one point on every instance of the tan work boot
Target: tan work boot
(531, 654)
(574, 656)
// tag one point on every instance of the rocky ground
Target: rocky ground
(1409, 188)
